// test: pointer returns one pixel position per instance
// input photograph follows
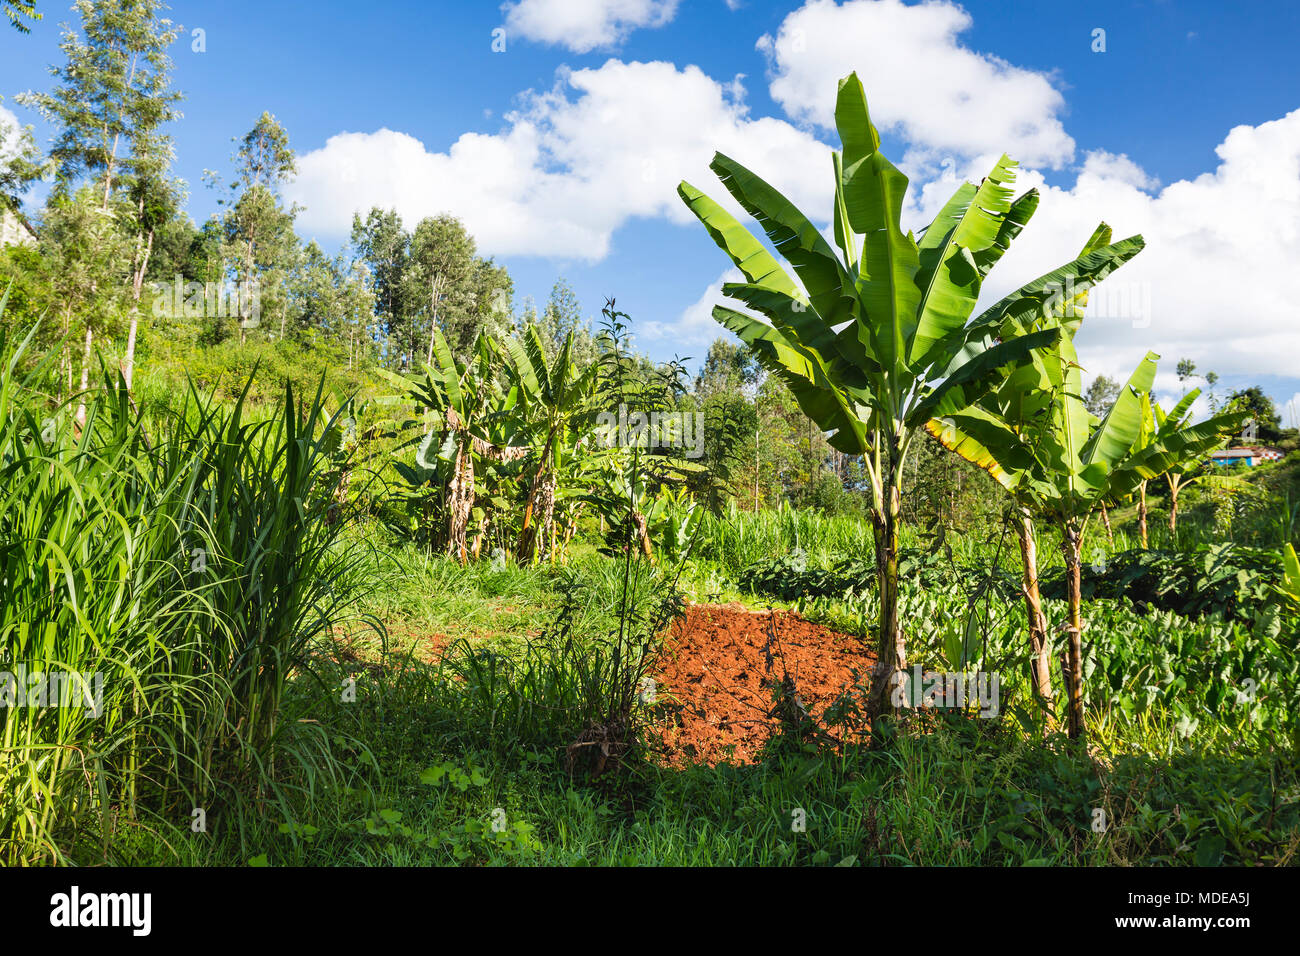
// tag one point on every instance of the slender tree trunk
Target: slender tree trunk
(1105, 520)
(1142, 512)
(249, 264)
(1040, 662)
(111, 164)
(433, 315)
(65, 379)
(891, 650)
(1071, 546)
(85, 377)
(108, 175)
(137, 288)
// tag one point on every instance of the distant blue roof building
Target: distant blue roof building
(1250, 455)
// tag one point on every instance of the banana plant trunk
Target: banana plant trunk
(1105, 519)
(477, 546)
(460, 500)
(540, 511)
(642, 527)
(891, 649)
(540, 508)
(546, 524)
(460, 490)
(1040, 660)
(1173, 511)
(1071, 546)
(570, 528)
(1142, 512)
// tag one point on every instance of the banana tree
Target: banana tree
(1146, 435)
(470, 414)
(1186, 474)
(553, 402)
(1155, 423)
(643, 499)
(1077, 461)
(874, 338)
(1022, 404)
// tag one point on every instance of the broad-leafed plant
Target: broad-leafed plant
(1191, 472)
(1022, 406)
(874, 337)
(1060, 462)
(553, 403)
(469, 418)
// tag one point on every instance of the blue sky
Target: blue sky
(562, 152)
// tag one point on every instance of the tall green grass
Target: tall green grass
(188, 573)
(736, 539)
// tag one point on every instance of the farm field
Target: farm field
(323, 545)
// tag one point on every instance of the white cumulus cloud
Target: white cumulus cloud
(921, 82)
(585, 25)
(605, 146)
(1212, 284)
(571, 165)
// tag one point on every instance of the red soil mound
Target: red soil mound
(718, 669)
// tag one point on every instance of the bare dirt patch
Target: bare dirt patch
(719, 666)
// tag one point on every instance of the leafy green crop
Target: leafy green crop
(1235, 582)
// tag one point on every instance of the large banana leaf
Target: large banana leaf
(1051, 295)
(1169, 450)
(750, 256)
(1017, 216)
(806, 375)
(873, 191)
(949, 276)
(793, 235)
(1120, 428)
(986, 441)
(966, 385)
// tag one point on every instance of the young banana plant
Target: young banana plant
(874, 339)
(1191, 472)
(1070, 462)
(1020, 408)
(553, 404)
(467, 408)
